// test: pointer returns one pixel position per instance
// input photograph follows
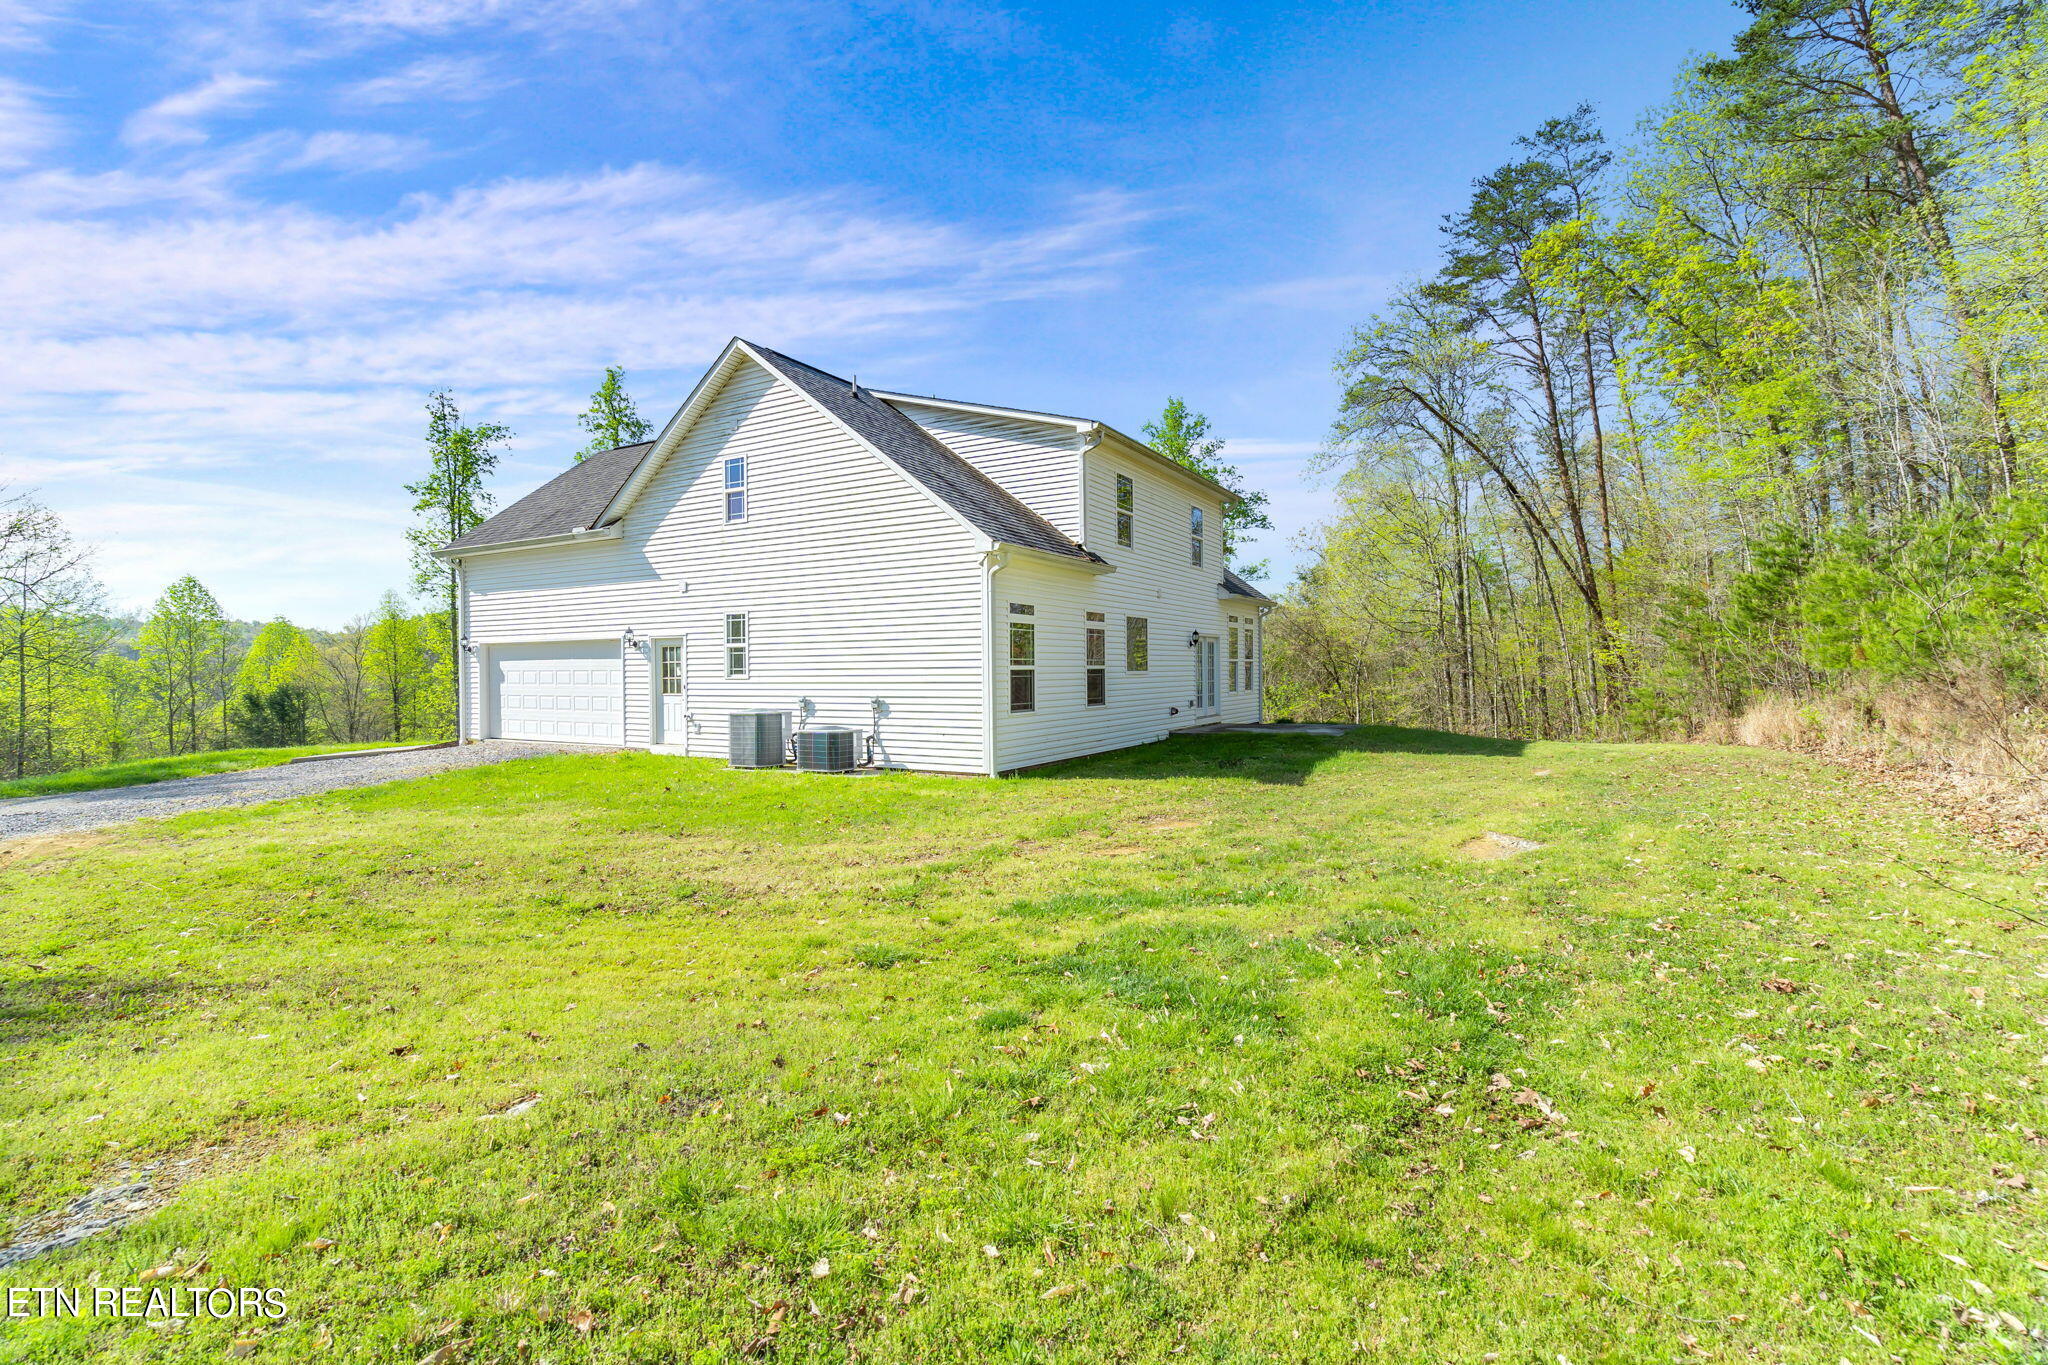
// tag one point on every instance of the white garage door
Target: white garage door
(556, 691)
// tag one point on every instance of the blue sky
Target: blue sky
(239, 241)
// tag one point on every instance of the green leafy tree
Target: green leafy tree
(185, 653)
(451, 500)
(111, 714)
(611, 419)
(50, 632)
(399, 665)
(1861, 77)
(280, 655)
(1182, 435)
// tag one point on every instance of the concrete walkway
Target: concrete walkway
(32, 815)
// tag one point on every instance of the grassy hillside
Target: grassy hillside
(1220, 1049)
(143, 770)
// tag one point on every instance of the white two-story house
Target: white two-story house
(978, 588)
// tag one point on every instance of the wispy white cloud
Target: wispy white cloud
(1342, 292)
(22, 21)
(27, 129)
(430, 78)
(442, 16)
(177, 119)
(352, 151)
(220, 335)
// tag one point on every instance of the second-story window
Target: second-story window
(1195, 536)
(1126, 508)
(736, 489)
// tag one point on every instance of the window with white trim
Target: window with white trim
(736, 645)
(671, 670)
(1233, 653)
(1095, 659)
(1195, 536)
(1023, 666)
(1126, 508)
(736, 488)
(1137, 644)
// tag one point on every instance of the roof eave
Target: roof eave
(1132, 446)
(582, 536)
(1090, 564)
(1050, 419)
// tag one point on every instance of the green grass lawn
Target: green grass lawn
(160, 769)
(1216, 1050)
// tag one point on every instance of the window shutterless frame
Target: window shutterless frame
(736, 645)
(1137, 644)
(736, 488)
(1095, 658)
(1126, 508)
(1195, 536)
(1023, 666)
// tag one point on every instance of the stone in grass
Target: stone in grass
(1490, 846)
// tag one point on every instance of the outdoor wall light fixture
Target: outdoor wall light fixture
(629, 640)
(1194, 638)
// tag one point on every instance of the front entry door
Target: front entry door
(1205, 676)
(671, 695)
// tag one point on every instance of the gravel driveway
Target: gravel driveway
(30, 815)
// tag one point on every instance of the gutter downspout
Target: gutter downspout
(992, 560)
(1259, 660)
(461, 655)
(626, 650)
(1089, 438)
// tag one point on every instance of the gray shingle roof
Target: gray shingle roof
(568, 502)
(575, 498)
(1233, 584)
(985, 504)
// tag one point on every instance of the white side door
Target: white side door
(1205, 676)
(671, 692)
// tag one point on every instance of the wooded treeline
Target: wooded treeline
(1752, 408)
(80, 687)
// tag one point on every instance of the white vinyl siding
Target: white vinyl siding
(1039, 464)
(858, 586)
(1153, 582)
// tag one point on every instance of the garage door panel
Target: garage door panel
(570, 690)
